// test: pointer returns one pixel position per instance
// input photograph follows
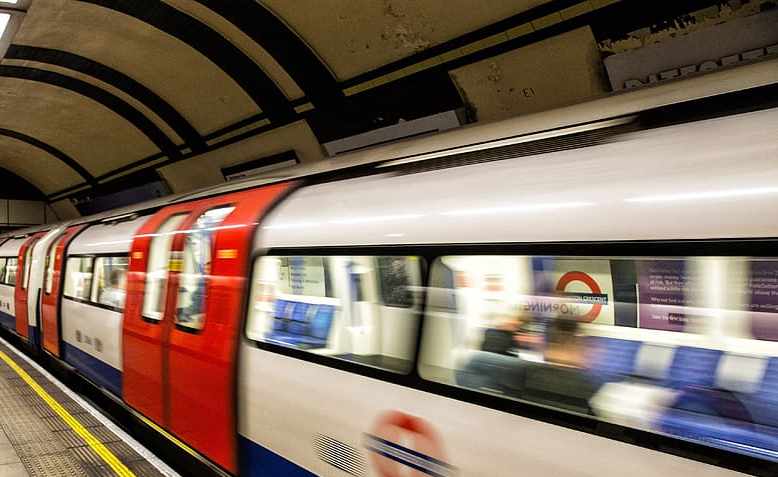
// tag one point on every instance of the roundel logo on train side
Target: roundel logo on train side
(595, 297)
(400, 443)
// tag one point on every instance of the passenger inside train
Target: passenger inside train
(654, 343)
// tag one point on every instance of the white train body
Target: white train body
(337, 319)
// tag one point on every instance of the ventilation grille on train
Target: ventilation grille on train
(521, 149)
(340, 455)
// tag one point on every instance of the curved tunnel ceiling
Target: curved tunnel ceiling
(105, 88)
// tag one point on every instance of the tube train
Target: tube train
(394, 312)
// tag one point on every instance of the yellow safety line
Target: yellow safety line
(79, 429)
(166, 434)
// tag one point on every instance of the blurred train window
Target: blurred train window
(198, 249)
(157, 269)
(50, 258)
(10, 271)
(111, 281)
(682, 346)
(3, 261)
(78, 277)
(335, 306)
(27, 265)
(394, 282)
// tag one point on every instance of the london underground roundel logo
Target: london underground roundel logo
(402, 445)
(596, 296)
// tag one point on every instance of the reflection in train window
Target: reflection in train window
(111, 281)
(49, 276)
(687, 347)
(198, 249)
(78, 277)
(157, 269)
(333, 306)
(10, 271)
(2, 269)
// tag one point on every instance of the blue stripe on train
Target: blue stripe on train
(98, 371)
(7, 321)
(257, 461)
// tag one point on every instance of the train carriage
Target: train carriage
(395, 312)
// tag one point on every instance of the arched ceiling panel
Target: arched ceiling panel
(27, 162)
(242, 41)
(356, 37)
(111, 80)
(98, 137)
(132, 100)
(230, 59)
(192, 84)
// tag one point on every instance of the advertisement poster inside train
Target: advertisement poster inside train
(760, 298)
(302, 276)
(581, 289)
(665, 293)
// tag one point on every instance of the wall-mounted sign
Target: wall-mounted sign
(736, 41)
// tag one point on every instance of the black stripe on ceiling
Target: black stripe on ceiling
(116, 79)
(291, 52)
(51, 150)
(110, 101)
(242, 69)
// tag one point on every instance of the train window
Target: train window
(157, 271)
(10, 271)
(111, 281)
(27, 265)
(198, 248)
(49, 277)
(78, 278)
(682, 346)
(332, 306)
(2, 269)
(394, 282)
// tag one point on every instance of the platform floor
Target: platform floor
(47, 432)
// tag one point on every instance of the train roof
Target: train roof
(710, 179)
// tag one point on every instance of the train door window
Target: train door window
(198, 249)
(10, 271)
(78, 278)
(3, 262)
(49, 277)
(332, 306)
(110, 281)
(27, 265)
(157, 271)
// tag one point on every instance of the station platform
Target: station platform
(47, 430)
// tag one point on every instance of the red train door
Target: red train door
(180, 351)
(22, 282)
(52, 285)
(144, 328)
(206, 317)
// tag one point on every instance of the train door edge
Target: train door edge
(51, 293)
(21, 298)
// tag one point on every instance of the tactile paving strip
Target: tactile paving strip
(45, 443)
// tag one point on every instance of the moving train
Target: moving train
(342, 319)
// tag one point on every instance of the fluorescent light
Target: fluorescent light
(14, 2)
(518, 208)
(716, 194)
